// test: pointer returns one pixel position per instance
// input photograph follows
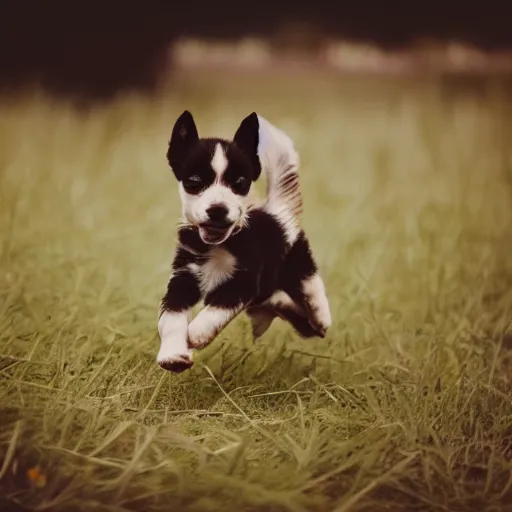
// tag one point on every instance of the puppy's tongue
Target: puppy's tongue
(209, 237)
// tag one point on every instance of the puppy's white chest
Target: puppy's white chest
(217, 269)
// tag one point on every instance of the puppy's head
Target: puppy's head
(214, 175)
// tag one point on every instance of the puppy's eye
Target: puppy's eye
(193, 184)
(241, 185)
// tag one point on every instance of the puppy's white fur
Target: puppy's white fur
(219, 161)
(173, 327)
(208, 323)
(219, 267)
(280, 161)
(314, 291)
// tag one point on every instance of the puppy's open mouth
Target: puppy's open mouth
(214, 233)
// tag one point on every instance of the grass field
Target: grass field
(406, 405)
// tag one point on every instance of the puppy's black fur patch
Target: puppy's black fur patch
(264, 265)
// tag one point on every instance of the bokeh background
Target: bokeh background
(402, 115)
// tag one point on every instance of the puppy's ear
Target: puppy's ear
(184, 135)
(247, 139)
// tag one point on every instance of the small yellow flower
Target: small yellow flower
(36, 476)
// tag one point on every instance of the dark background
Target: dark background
(95, 48)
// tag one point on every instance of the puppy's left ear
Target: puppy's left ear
(247, 139)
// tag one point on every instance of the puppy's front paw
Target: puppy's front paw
(174, 354)
(207, 325)
(197, 339)
(176, 363)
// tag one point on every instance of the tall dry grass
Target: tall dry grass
(407, 402)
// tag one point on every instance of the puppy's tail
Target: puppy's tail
(280, 162)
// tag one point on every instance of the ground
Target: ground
(406, 405)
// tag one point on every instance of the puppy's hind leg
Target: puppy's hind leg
(293, 313)
(261, 318)
(301, 280)
(316, 303)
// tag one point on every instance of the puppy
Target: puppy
(232, 253)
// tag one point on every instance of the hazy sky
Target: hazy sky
(388, 21)
(75, 41)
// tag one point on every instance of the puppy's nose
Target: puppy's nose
(217, 213)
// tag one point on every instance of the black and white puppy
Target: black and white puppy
(234, 254)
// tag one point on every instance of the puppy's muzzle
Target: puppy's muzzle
(215, 232)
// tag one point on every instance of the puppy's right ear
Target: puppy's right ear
(184, 135)
(247, 139)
